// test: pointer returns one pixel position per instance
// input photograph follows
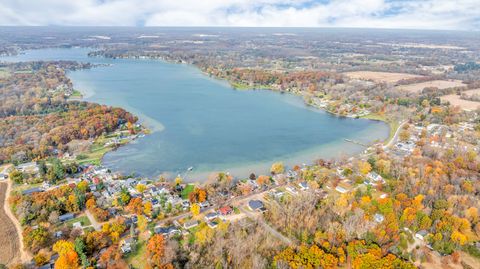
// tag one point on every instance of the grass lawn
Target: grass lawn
(96, 152)
(76, 94)
(188, 189)
(83, 220)
(393, 124)
(137, 258)
(22, 187)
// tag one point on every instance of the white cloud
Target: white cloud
(424, 14)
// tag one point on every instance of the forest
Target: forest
(38, 120)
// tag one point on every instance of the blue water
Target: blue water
(202, 122)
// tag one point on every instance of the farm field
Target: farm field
(455, 100)
(440, 84)
(8, 234)
(380, 76)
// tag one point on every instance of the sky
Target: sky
(400, 14)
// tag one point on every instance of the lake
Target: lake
(204, 123)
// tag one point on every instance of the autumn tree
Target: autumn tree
(156, 252)
(67, 258)
(195, 209)
(277, 168)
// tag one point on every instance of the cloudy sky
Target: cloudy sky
(418, 14)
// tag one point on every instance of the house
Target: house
(226, 210)
(58, 234)
(211, 216)
(421, 234)
(292, 174)
(253, 183)
(166, 231)
(77, 225)
(32, 190)
(341, 189)
(255, 205)
(126, 245)
(66, 217)
(185, 203)
(154, 191)
(375, 177)
(378, 218)
(204, 204)
(212, 224)
(51, 263)
(277, 194)
(92, 187)
(190, 224)
(303, 185)
(291, 190)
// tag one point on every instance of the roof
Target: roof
(165, 230)
(66, 216)
(129, 240)
(422, 232)
(191, 223)
(225, 210)
(341, 189)
(303, 184)
(211, 215)
(212, 224)
(33, 190)
(379, 217)
(255, 204)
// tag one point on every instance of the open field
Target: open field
(440, 84)
(392, 124)
(455, 100)
(82, 219)
(4, 73)
(380, 76)
(136, 258)
(9, 240)
(188, 189)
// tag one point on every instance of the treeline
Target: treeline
(302, 80)
(470, 66)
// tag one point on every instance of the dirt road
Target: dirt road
(11, 244)
(9, 236)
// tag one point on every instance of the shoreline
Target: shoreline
(88, 93)
(206, 174)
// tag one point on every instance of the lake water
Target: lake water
(202, 122)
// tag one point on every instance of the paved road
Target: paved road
(237, 200)
(395, 136)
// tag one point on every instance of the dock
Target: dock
(356, 142)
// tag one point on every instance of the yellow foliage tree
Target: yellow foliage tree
(195, 209)
(147, 208)
(142, 223)
(204, 235)
(68, 258)
(364, 167)
(458, 238)
(140, 188)
(277, 168)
